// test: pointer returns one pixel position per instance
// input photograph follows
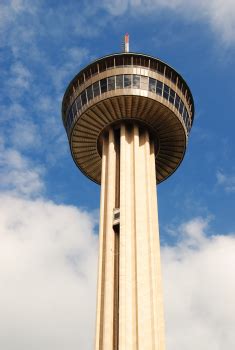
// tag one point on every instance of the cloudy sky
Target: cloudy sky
(49, 210)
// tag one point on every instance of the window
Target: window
(102, 66)
(168, 73)
(152, 85)
(153, 65)
(160, 68)
(69, 119)
(110, 62)
(111, 83)
(127, 60)
(118, 61)
(144, 62)
(119, 82)
(83, 98)
(185, 116)
(159, 88)
(177, 101)
(172, 96)
(74, 109)
(144, 82)
(96, 88)
(81, 79)
(166, 91)
(127, 81)
(88, 73)
(78, 102)
(89, 93)
(94, 69)
(103, 85)
(136, 81)
(181, 108)
(136, 61)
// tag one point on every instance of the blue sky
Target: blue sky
(49, 210)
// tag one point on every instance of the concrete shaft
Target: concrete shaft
(129, 301)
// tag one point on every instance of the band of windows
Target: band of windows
(133, 61)
(126, 81)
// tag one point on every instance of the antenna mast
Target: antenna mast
(126, 43)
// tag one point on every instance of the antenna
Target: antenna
(126, 43)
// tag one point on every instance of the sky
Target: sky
(49, 212)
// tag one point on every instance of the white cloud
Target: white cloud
(48, 268)
(48, 259)
(218, 14)
(18, 174)
(226, 181)
(199, 284)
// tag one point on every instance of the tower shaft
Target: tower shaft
(129, 300)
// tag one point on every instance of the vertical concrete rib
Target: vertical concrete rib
(159, 325)
(127, 303)
(101, 265)
(107, 245)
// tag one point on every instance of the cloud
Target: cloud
(199, 284)
(48, 259)
(226, 181)
(18, 174)
(218, 14)
(48, 268)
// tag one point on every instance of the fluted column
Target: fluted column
(130, 306)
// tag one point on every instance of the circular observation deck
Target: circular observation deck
(132, 87)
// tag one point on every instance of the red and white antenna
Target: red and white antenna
(126, 43)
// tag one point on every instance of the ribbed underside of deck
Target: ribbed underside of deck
(161, 121)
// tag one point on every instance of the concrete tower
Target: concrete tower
(128, 117)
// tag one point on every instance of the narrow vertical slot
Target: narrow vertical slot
(116, 229)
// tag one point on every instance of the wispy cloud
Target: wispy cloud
(18, 174)
(227, 181)
(218, 14)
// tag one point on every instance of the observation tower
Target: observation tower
(128, 117)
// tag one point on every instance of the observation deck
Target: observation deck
(134, 88)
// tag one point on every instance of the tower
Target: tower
(128, 118)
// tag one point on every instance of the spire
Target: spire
(126, 43)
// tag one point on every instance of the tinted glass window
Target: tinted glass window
(94, 69)
(127, 60)
(118, 61)
(127, 81)
(144, 82)
(78, 102)
(153, 65)
(87, 74)
(103, 85)
(159, 88)
(102, 66)
(172, 96)
(111, 83)
(136, 61)
(166, 91)
(136, 81)
(181, 107)
(177, 101)
(69, 120)
(74, 109)
(152, 85)
(96, 88)
(110, 62)
(83, 97)
(89, 93)
(119, 82)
